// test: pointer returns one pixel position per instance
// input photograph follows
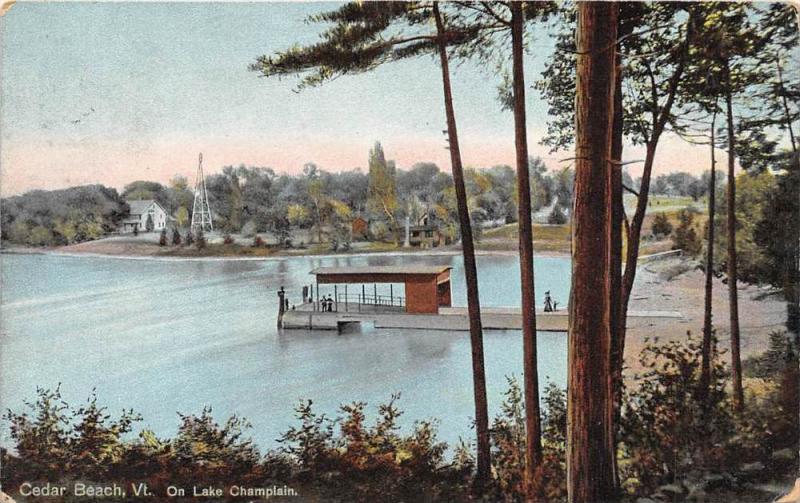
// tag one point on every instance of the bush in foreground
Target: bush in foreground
(666, 436)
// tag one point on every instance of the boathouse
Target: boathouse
(427, 288)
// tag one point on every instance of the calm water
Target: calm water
(172, 336)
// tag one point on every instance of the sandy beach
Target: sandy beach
(761, 309)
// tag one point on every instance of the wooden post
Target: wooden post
(375, 293)
(336, 298)
(391, 294)
(345, 297)
(317, 301)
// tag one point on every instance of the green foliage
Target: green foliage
(666, 434)
(52, 439)
(221, 451)
(661, 225)
(46, 218)
(364, 462)
(182, 216)
(189, 238)
(382, 199)
(664, 430)
(777, 233)
(176, 237)
(508, 441)
(752, 193)
(781, 353)
(149, 225)
(162, 239)
(686, 237)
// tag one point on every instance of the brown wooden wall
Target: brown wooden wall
(421, 295)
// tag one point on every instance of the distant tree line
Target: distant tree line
(251, 200)
(58, 217)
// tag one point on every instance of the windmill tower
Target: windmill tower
(201, 211)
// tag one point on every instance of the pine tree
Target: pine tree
(590, 457)
(364, 35)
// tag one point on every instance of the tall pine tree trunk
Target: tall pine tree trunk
(589, 402)
(733, 296)
(705, 366)
(470, 269)
(533, 446)
(615, 263)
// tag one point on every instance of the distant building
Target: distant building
(140, 210)
(359, 228)
(425, 235)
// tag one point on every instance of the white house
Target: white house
(140, 211)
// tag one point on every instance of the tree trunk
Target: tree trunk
(634, 234)
(705, 368)
(733, 296)
(615, 263)
(470, 269)
(533, 445)
(589, 403)
(785, 102)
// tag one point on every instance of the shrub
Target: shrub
(200, 240)
(557, 216)
(176, 237)
(53, 439)
(189, 238)
(686, 237)
(507, 437)
(227, 239)
(162, 240)
(258, 242)
(665, 430)
(661, 225)
(41, 436)
(219, 451)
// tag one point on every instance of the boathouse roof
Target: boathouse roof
(400, 270)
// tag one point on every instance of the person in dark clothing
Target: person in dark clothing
(548, 302)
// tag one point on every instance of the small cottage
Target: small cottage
(140, 211)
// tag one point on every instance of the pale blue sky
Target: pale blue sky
(152, 84)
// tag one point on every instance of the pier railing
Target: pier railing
(361, 302)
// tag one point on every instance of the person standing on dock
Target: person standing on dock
(548, 302)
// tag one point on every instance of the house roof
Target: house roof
(138, 207)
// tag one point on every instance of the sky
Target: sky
(115, 92)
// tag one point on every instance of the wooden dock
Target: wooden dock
(426, 304)
(450, 318)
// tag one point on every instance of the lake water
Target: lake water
(168, 336)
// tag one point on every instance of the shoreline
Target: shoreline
(220, 258)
